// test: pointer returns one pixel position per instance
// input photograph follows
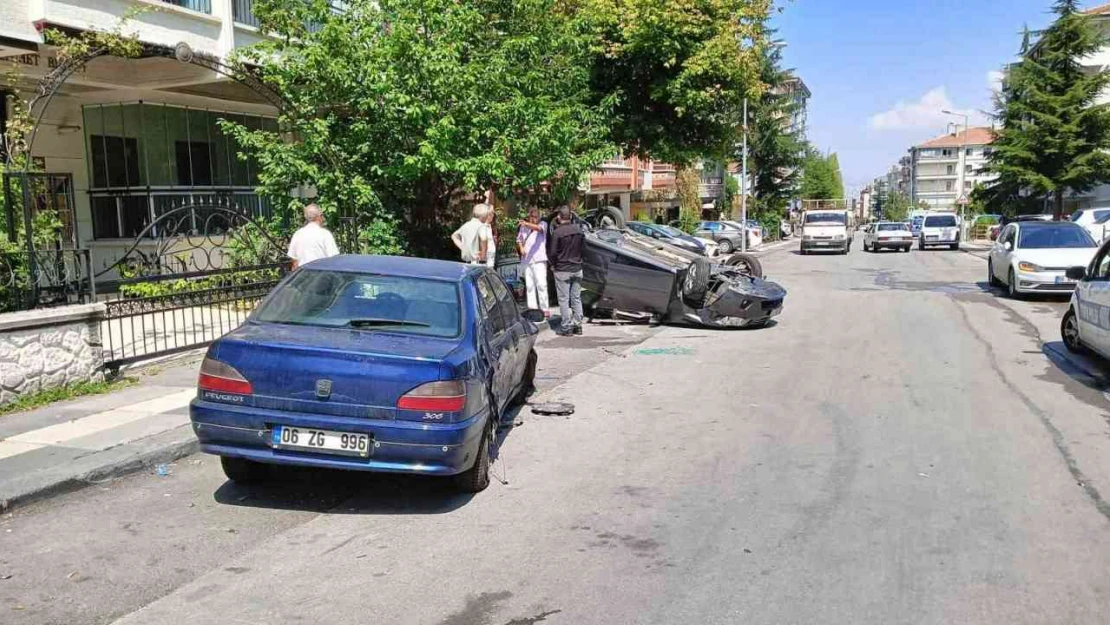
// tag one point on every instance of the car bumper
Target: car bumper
(826, 245)
(1043, 282)
(930, 241)
(398, 446)
(894, 244)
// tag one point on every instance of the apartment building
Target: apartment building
(125, 140)
(948, 167)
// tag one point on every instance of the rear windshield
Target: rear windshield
(826, 218)
(940, 221)
(338, 299)
(1054, 236)
(892, 227)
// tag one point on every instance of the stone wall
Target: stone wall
(47, 348)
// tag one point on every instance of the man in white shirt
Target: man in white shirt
(312, 241)
(473, 237)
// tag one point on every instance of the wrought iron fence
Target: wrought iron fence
(45, 278)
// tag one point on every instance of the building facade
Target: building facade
(125, 140)
(947, 168)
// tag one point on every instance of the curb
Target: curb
(123, 462)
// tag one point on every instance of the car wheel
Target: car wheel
(476, 478)
(921, 244)
(1069, 331)
(801, 250)
(907, 249)
(1011, 286)
(725, 246)
(991, 278)
(528, 380)
(695, 284)
(746, 264)
(610, 216)
(954, 246)
(243, 471)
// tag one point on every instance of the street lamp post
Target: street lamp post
(744, 187)
(962, 161)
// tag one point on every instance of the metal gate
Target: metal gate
(192, 275)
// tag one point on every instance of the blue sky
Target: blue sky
(880, 70)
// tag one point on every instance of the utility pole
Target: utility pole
(744, 186)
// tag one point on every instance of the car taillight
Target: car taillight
(223, 378)
(442, 396)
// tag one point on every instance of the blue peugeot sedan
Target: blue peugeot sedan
(369, 363)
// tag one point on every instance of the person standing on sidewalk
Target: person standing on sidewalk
(531, 242)
(472, 238)
(313, 241)
(567, 241)
(491, 238)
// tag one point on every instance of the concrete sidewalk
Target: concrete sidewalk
(71, 444)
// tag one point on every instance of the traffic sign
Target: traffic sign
(963, 201)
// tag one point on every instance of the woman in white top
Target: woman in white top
(490, 236)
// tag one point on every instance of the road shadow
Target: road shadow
(304, 489)
(1087, 369)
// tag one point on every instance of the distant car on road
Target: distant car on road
(893, 235)
(369, 363)
(825, 230)
(1088, 218)
(1084, 326)
(939, 229)
(1034, 256)
(674, 236)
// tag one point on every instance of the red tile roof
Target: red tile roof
(974, 136)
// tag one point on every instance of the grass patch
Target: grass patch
(62, 393)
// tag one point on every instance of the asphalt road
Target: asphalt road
(903, 446)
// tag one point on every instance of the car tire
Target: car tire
(801, 250)
(907, 249)
(613, 214)
(476, 478)
(695, 283)
(528, 380)
(954, 246)
(921, 244)
(1011, 286)
(991, 278)
(724, 246)
(1069, 332)
(243, 471)
(747, 264)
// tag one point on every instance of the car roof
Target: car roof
(1033, 224)
(404, 266)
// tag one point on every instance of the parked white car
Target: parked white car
(892, 235)
(939, 229)
(754, 230)
(1034, 256)
(1085, 325)
(1090, 219)
(825, 230)
(1100, 229)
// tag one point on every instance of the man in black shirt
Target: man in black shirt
(565, 256)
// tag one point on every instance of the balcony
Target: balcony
(243, 13)
(200, 6)
(931, 176)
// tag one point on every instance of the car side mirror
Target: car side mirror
(1076, 273)
(1009, 246)
(534, 315)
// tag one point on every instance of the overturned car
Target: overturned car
(628, 272)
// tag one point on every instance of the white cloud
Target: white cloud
(924, 113)
(994, 80)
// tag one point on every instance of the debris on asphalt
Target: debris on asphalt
(6, 576)
(665, 351)
(162, 470)
(923, 475)
(553, 408)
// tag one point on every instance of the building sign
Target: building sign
(35, 60)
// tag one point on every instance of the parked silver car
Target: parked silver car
(728, 238)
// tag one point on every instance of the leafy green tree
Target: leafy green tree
(775, 148)
(676, 73)
(396, 110)
(821, 177)
(1055, 135)
(896, 207)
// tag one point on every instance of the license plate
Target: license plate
(930, 237)
(823, 243)
(321, 441)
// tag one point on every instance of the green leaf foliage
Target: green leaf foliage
(1055, 134)
(821, 178)
(776, 150)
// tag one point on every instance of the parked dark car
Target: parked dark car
(668, 234)
(369, 363)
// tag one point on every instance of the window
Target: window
(987, 152)
(968, 152)
(505, 301)
(951, 170)
(194, 163)
(1054, 236)
(490, 305)
(940, 221)
(122, 216)
(946, 152)
(968, 169)
(115, 161)
(1101, 266)
(948, 185)
(363, 301)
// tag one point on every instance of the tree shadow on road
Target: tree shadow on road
(336, 491)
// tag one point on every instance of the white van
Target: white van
(825, 230)
(939, 229)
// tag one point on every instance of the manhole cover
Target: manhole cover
(553, 408)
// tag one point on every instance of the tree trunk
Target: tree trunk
(687, 180)
(1058, 205)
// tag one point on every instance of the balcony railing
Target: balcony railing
(243, 12)
(200, 6)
